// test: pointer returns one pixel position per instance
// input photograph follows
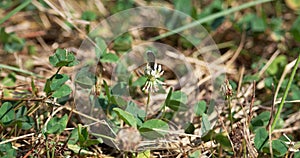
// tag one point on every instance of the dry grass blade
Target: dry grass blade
(254, 49)
(273, 57)
(17, 138)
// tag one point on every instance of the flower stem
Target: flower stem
(230, 112)
(285, 94)
(148, 101)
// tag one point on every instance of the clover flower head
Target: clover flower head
(226, 88)
(153, 74)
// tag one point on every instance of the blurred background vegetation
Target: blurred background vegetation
(258, 45)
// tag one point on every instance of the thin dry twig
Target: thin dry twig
(17, 138)
(225, 129)
(252, 102)
(272, 111)
(22, 99)
(242, 71)
(273, 57)
(287, 130)
(238, 51)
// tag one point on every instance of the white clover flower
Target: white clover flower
(153, 74)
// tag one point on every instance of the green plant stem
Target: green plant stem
(148, 101)
(244, 148)
(2, 66)
(209, 18)
(53, 152)
(47, 148)
(16, 10)
(285, 94)
(230, 112)
(270, 142)
(55, 73)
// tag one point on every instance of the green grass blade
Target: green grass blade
(13, 12)
(19, 70)
(209, 18)
(285, 94)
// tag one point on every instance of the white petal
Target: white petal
(159, 68)
(153, 73)
(161, 73)
(145, 85)
(160, 82)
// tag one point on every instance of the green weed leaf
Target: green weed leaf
(278, 146)
(63, 58)
(47, 88)
(205, 124)
(24, 121)
(261, 138)
(7, 150)
(9, 80)
(139, 114)
(127, 117)
(101, 47)
(253, 22)
(224, 141)
(214, 7)
(167, 101)
(195, 154)
(295, 30)
(12, 43)
(107, 91)
(74, 136)
(144, 154)
(123, 42)
(148, 129)
(200, 108)
(177, 101)
(250, 78)
(85, 79)
(177, 105)
(261, 120)
(277, 65)
(57, 81)
(140, 81)
(62, 91)
(189, 128)
(109, 58)
(7, 113)
(179, 96)
(183, 6)
(89, 16)
(57, 125)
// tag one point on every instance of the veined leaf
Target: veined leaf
(126, 116)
